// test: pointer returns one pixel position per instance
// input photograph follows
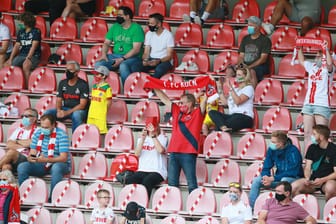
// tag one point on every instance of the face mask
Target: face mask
(240, 79)
(25, 121)
(69, 74)
(153, 28)
(97, 79)
(280, 197)
(272, 146)
(313, 140)
(184, 108)
(318, 63)
(251, 30)
(233, 196)
(120, 20)
(21, 26)
(3, 182)
(45, 131)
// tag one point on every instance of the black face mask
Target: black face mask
(280, 197)
(153, 28)
(69, 74)
(120, 19)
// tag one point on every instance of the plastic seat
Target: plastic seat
(39, 215)
(323, 34)
(173, 219)
(178, 8)
(8, 20)
(251, 146)
(310, 203)
(41, 24)
(133, 192)
(261, 201)
(223, 60)
(329, 214)
(45, 53)
(119, 139)
(284, 38)
(90, 198)
(331, 17)
(277, 118)
(243, 32)
(70, 215)
(295, 141)
(148, 7)
(220, 36)
(19, 6)
(18, 100)
(208, 220)
(296, 93)
(134, 83)
(33, 191)
(93, 54)
(70, 52)
(201, 201)
(117, 3)
(224, 172)
(11, 79)
(269, 92)
(144, 109)
(225, 200)
(286, 70)
(251, 172)
(93, 165)
(42, 80)
(86, 136)
(218, 144)
(45, 103)
(173, 94)
(93, 30)
(63, 29)
(117, 112)
(198, 57)
(243, 9)
(16, 124)
(100, 6)
(6, 6)
(201, 173)
(114, 82)
(189, 35)
(268, 11)
(332, 99)
(122, 162)
(332, 122)
(66, 193)
(167, 199)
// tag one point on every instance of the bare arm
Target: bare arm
(310, 219)
(4, 46)
(146, 52)
(62, 158)
(225, 220)
(248, 222)
(262, 217)
(329, 60)
(301, 56)
(59, 101)
(21, 143)
(169, 56)
(105, 48)
(263, 58)
(135, 50)
(15, 51)
(203, 104)
(163, 97)
(241, 58)
(80, 106)
(307, 169)
(35, 44)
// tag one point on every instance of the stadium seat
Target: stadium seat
(66, 193)
(225, 200)
(331, 18)
(45, 53)
(223, 60)
(92, 165)
(134, 83)
(90, 197)
(11, 79)
(42, 80)
(251, 172)
(208, 220)
(63, 29)
(144, 109)
(200, 58)
(277, 118)
(218, 144)
(220, 36)
(324, 34)
(114, 82)
(178, 8)
(93, 54)
(148, 7)
(70, 52)
(119, 139)
(261, 201)
(201, 173)
(39, 215)
(93, 30)
(269, 92)
(86, 136)
(295, 141)
(33, 191)
(224, 172)
(173, 219)
(286, 70)
(167, 199)
(122, 162)
(310, 203)
(70, 215)
(329, 214)
(201, 201)
(251, 146)
(45, 103)
(41, 24)
(296, 93)
(243, 32)
(332, 122)
(117, 3)
(173, 94)
(243, 9)
(268, 11)
(284, 38)
(8, 20)
(6, 6)
(332, 97)
(100, 7)
(117, 112)
(188, 35)
(18, 100)
(133, 192)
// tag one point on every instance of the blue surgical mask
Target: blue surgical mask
(3, 182)
(251, 30)
(25, 121)
(272, 146)
(318, 63)
(313, 140)
(45, 131)
(233, 196)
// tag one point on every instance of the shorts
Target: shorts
(88, 8)
(100, 123)
(207, 121)
(311, 110)
(18, 61)
(21, 159)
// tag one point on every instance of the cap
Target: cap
(101, 70)
(254, 20)
(131, 211)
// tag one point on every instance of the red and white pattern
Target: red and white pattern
(88, 165)
(209, 220)
(35, 216)
(38, 78)
(221, 172)
(332, 91)
(303, 199)
(162, 199)
(242, 10)
(134, 83)
(121, 166)
(59, 26)
(94, 195)
(149, 6)
(81, 136)
(191, 59)
(214, 37)
(114, 137)
(213, 144)
(5, 79)
(265, 91)
(198, 199)
(28, 190)
(45, 105)
(141, 112)
(173, 220)
(281, 37)
(225, 62)
(65, 52)
(95, 57)
(297, 92)
(65, 189)
(331, 214)
(247, 145)
(185, 35)
(257, 173)
(270, 123)
(12, 104)
(91, 27)
(70, 214)
(128, 197)
(21, 6)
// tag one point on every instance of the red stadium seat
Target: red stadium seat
(119, 139)
(66, 193)
(201, 201)
(70, 52)
(243, 32)
(269, 92)
(251, 172)
(6, 6)
(286, 70)
(86, 136)
(70, 215)
(283, 39)
(173, 219)
(208, 220)
(90, 197)
(11, 79)
(324, 34)
(133, 192)
(200, 58)
(251, 146)
(45, 53)
(93, 55)
(189, 35)
(117, 112)
(122, 162)
(93, 30)
(268, 11)
(144, 109)
(18, 100)
(41, 24)
(45, 103)
(310, 203)
(332, 122)
(63, 29)
(218, 144)
(224, 172)
(261, 201)
(33, 191)
(296, 93)
(2, 134)
(178, 8)
(331, 18)
(173, 94)
(201, 173)
(220, 36)
(329, 214)
(42, 80)
(8, 20)
(277, 118)
(167, 199)
(19, 6)
(117, 3)
(243, 9)
(41, 215)
(148, 7)
(134, 84)
(114, 82)
(223, 60)
(93, 165)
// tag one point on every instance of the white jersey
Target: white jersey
(5, 35)
(101, 216)
(159, 44)
(237, 214)
(246, 107)
(319, 82)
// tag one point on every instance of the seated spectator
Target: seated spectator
(282, 209)
(18, 144)
(55, 8)
(103, 213)
(239, 101)
(151, 150)
(72, 97)
(283, 156)
(159, 44)
(236, 211)
(27, 49)
(127, 38)
(301, 11)
(6, 44)
(320, 166)
(79, 8)
(254, 51)
(134, 213)
(49, 154)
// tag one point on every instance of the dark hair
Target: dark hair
(127, 11)
(322, 130)
(190, 97)
(287, 186)
(28, 19)
(49, 117)
(33, 110)
(157, 17)
(281, 136)
(103, 191)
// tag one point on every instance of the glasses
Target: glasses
(234, 184)
(26, 115)
(105, 197)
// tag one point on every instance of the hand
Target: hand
(32, 158)
(118, 61)
(266, 180)
(8, 63)
(145, 62)
(307, 182)
(154, 62)
(317, 182)
(151, 128)
(60, 114)
(144, 133)
(103, 58)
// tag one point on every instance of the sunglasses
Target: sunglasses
(234, 184)
(26, 115)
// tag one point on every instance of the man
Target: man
(127, 38)
(320, 167)
(5, 43)
(72, 97)
(159, 44)
(305, 12)
(282, 209)
(17, 147)
(183, 149)
(254, 51)
(49, 153)
(287, 159)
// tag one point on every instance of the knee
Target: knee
(78, 115)
(23, 167)
(330, 187)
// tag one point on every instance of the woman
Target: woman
(79, 8)
(239, 101)
(236, 212)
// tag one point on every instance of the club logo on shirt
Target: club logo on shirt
(317, 76)
(77, 91)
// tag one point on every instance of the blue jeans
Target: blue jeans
(257, 184)
(186, 162)
(57, 171)
(78, 117)
(159, 70)
(130, 65)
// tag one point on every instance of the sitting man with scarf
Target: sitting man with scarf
(49, 153)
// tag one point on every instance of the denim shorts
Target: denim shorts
(316, 110)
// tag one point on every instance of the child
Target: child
(134, 214)
(103, 214)
(101, 99)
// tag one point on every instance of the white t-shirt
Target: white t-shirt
(150, 159)
(246, 107)
(21, 133)
(5, 35)
(319, 82)
(100, 216)
(159, 44)
(237, 214)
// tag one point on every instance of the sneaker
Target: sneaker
(268, 27)
(187, 18)
(199, 21)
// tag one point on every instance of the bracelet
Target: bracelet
(123, 58)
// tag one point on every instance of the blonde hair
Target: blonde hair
(247, 74)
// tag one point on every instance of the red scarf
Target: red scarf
(20, 133)
(51, 146)
(195, 83)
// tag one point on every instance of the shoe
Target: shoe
(268, 28)
(199, 21)
(187, 19)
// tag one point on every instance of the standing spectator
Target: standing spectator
(151, 150)
(239, 101)
(187, 124)
(72, 97)
(55, 8)
(159, 44)
(287, 160)
(316, 108)
(236, 212)
(254, 51)
(103, 213)
(27, 49)
(49, 154)
(320, 167)
(305, 12)
(18, 144)
(79, 8)
(282, 209)
(127, 38)
(134, 213)
(6, 44)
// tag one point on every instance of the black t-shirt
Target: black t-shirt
(71, 95)
(314, 153)
(141, 214)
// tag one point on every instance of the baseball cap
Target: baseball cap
(101, 70)
(131, 211)
(255, 20)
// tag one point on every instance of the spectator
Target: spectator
(151, 150)
(208, 123)
(282, 209)
(103, 213)
(283, 156)
(72, 97)
(316, 106)
(320, 167)
(239, 101)
(187, 122)
(159, 44)
(17, 147)
(236, 212)
(254, 51)
(6, 44)
(49, 153)
(27, 49)
(79, 8)
(128, 38)
(101, 99)
(301, 11)
(134, 214)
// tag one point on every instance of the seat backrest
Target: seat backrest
(243, 9)
(6, 6)
(332, 122)
(8, 20)
(134, 85)
(251, 145)
(173, 219)
(284, 38)
(71, 52)
(329, 213)
(261, 199)
(201, 58)
(2, 136)
(133, 192)
(323, 34)
(93, 30)
(11, 78)
(86, 136)
(277, 118)
(41, 24)
(117, 112)
(33, 191)
(167, 199)
(119, 138)
(70, 215)
(251, 172)
(225, 200)
(63, 28)
(66, 192)
(224, 172)
(269, 10)
(90, 198)
(93, 54)
(122, 162)
(332, 16)
(117, 3)
(218, 144)
(114, 82)
(189, 35)
(18, 100)
(243, 32)
(178, 8)
(42, 214)
(296, 92)
(201, 200)
(19, 5)
(45, 53)
(269, 91)
(310, 203)
(220, 36)
(288, 70)
(201, 173)
(92, 165)
(45, 103)
(208, 220)
(42, 79)
(175, 94)
(224, 59)
(148, 7)
(144, 109)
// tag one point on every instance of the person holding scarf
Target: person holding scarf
(49, 153)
